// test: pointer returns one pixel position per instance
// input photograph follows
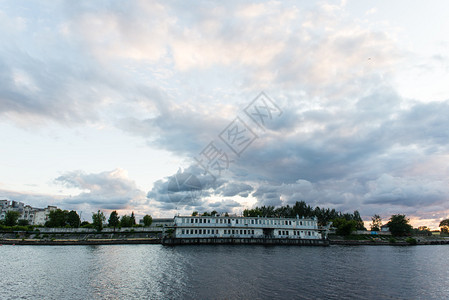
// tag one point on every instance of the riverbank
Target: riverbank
(152, 237)
(35, 242)
(172, 242)
(64, 237)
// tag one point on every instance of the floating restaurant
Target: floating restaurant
(245, 230)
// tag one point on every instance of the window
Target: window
(196, 220)
(208, 231)
(237, 221)
(199, 231)
(229, 221)
(191, 221)
(280, 232)
(196, 231)
(253, 231)
(233, 231)
(183, 231)
(286, 233)
(241, 231)
(300, 223)
(208, 221)
(252, 221)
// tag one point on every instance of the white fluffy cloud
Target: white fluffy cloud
(109, 190)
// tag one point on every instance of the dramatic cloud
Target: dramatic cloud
(109, 190)
(364, 103)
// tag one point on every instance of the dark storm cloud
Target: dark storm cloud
(234, 188)
(186, 188)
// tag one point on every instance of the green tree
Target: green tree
(147, 220)
(57, 218)
(11, 218)
(126, 221)
(194, 214)
(358, 219)
(98, 219)
(377, 223)
(399, 225)
(444, 224)
(133, 219)
(73, 220)
(23, 222)
(213, 213)
(343, 226)
(114, 219)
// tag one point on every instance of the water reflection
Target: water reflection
(223, 272)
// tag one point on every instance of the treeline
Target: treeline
(59, 218)
(302, 209)
(114, 221)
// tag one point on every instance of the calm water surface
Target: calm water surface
(223, 272)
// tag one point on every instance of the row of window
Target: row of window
(240, 231)
(295, 232)
(247, 222)
(215, 231)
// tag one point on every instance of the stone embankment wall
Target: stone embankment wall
(108, 230)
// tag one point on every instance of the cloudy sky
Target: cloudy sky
(169, 107)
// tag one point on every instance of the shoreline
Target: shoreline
(61, 242)
(155, 241)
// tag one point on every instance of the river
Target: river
(224, 272)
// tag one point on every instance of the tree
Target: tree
(98, 219)
(194, 214)
(422, 230)
(114, 220)
(343, 226)
(85, 223)
(23, 222)
(399, 225)
(73, 220)
(126, 221)
(377, 223)
(147, 220)
(11, 218)
(133, 219)
(444, 226)
(57, 218)
(358, 219)
(213, 213)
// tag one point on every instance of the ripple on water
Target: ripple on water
(224, 272)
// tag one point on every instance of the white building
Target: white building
(246, 227)
(34, 216)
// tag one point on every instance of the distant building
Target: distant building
(34, 216)
(384, 228)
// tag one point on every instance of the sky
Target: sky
(170, 107)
